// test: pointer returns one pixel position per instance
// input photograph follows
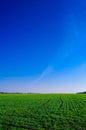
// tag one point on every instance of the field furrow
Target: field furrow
(42, 112)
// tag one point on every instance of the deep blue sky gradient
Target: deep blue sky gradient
(42, 39)
(29, 35)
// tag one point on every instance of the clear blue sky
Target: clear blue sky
(42, 45)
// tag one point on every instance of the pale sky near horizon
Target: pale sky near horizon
(43, 46)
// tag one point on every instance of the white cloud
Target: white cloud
(43, 76)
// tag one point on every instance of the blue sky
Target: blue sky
(43, 46)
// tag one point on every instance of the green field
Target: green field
(42, 112)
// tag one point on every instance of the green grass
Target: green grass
(42, 112)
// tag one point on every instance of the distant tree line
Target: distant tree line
(16, 93)
(81, 92)
(10, 93)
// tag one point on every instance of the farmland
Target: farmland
(42, 112)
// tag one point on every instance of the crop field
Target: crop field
(42, 111)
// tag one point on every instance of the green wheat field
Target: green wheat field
(42, 111)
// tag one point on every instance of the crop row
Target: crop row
(43, 112)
